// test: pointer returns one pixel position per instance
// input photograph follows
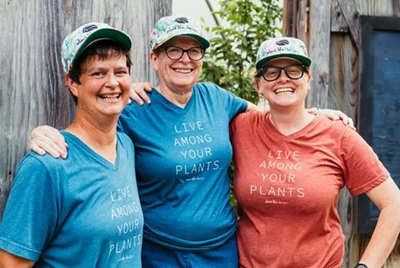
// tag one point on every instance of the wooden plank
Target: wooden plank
(338, 22)
(31, 83)
(288, 21)
(343, 95)
(344, 68)
(352, 16)
(319, 39)
(302, 21)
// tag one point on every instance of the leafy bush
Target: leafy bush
(231, 58)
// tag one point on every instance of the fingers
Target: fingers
(47, 139)
(346, 119)
(351, 123)
(342, 117)
(33, 147)
(139, 91)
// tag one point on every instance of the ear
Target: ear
(154, 61)
(71, 85)
(309, 77)
(257, 82)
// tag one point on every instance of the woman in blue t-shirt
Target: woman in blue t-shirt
(83, 211)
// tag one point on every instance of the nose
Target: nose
(112, 80)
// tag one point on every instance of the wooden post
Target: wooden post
(319, 42)
(31, 85)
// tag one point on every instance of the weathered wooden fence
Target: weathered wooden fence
(331, 31)
(31, 83)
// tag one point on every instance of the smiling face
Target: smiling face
(181, 74)
(284, 92)
(103, 88)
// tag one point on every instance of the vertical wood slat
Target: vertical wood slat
(302, 22)
(352, 17)
(31, 83)
(319, 39)
(343, 95)
(338, 22)
(288, 20)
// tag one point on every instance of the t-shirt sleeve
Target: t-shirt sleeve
(30, 215)
(232, 103)
(238, 122)
(363, 170)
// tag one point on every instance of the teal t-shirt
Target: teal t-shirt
(182, 157)
(79, 212)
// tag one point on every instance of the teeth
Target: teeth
(282, 90)
(186, 71)
(110, 96)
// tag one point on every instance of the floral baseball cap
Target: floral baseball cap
(171, 26)
(77, 41)
(282, 47)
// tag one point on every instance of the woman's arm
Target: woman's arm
(386, 197)
(8, 260)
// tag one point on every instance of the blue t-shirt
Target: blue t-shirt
(182, 157)
(79, 212)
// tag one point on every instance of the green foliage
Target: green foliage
(231, 58)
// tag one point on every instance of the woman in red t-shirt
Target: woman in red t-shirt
(290, 167)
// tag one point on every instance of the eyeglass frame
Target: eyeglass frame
(304, 69)
(183, 52)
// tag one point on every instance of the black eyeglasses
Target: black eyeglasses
(271, 73)
(175, 53)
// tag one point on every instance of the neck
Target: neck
(290, 121)
(178, 97)
(100, 137)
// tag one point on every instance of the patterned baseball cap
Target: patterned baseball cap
(77, 41)
(282, 47)
(169, 27)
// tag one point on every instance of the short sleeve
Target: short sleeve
(363, 170)
(233, 104)
(30, 215)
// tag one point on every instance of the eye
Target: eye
(196, 51)
(121, 72)
(294, 69)
(271, 71)
(174, 50)
(97, 74)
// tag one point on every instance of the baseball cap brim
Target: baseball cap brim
(306, 61)
(204, 42)
(105, 34)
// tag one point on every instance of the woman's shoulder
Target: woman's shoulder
(208, 87)
(250, 118)
(335, 128)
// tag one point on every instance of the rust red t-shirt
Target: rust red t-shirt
(287, 189)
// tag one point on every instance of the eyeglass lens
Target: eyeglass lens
(271, 73)
(194, 53)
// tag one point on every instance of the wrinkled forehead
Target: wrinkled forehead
(183, 41)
